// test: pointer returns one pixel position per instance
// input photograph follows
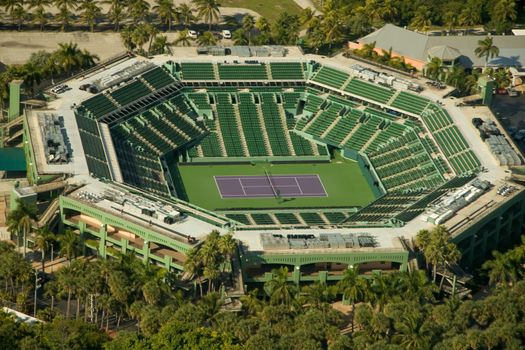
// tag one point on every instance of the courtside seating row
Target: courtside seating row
(384, 208)
(285, 219)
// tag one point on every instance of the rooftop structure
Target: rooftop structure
(418, 48)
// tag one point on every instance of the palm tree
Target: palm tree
(185, 14)
(206, 39)
(413, 332)
(421, 20)
(227, 246)
(160, 45)
(87, 59)
(437, 248)
(332, 29)
(40, 17)
(239, 37)
(127, 38)
(10, 7)
(353, 288)
(503, 15)
(251, 302)
(471, 14)
(208, 10)
(20, 221)
(68, 245)
(138, 10)
(65, 7)
(503, 269)
(318, 295)
(32, 75)
(116, 12)
(435, 69)
(248, 23)
(68, 56)
(66, 279)
(280, 290)
(183, 38)
(43, 240)
(19, 14)
(487, 49)
(90, 13)
(166, 11)
(140, 36)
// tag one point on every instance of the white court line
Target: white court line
(298, 186)
(322, 185)
(242, 187)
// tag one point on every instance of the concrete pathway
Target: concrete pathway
(307, 3)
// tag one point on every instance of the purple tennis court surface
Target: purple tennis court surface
(270, 186)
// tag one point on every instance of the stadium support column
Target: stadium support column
(14, 99)
(145, 251)
(102, 244)
(296, 274)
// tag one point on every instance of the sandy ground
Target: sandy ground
(16, 47)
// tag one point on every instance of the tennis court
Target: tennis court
(342, 180)
(270, 186)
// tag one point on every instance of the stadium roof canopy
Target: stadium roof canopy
(417, 46)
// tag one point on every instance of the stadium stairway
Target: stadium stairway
(112, 99)
(216, 74)
(268, 71)
(282, 116)
(372, 138)
(349, 136)
(242, 137)
(147, 83)
(331, 126)
(300, 219)
(219, 135)
(263, 130)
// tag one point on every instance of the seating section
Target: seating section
(287, 218)
(369, 91)
(251, 126)
(410, 102)
(130, 92)
(197, 71)
(335, 217)
(200, 100)
(331, 77)
(262, 219)
(450, 140)
(242, 218)
(312, 219)
(405, 166)
(93, 148)
(99, 105)
(158, 78)
(228, 125)
(287, 70)
(242, 72)
(383, 209)
(274, 127)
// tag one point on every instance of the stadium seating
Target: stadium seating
(250, 125)
(286, 70)
(158, 78)
(312, 218)
(287, 218)
(200, 100)
(335, 217)
(130, 92)
(273, 126)
(331, 77)
(211, 145)
(239, 217)
(197, 71)
(262, 219)
(370, 91)
(228, 125)
(404, 165)
(363, 134)
(99, 105)
(242, 72)
(450, 140)
(410, 102)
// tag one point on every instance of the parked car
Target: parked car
(57, 88)
(226, 34)
(193, 34)
(84, 86)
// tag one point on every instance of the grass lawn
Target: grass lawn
(270, 9)
(344, 183)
